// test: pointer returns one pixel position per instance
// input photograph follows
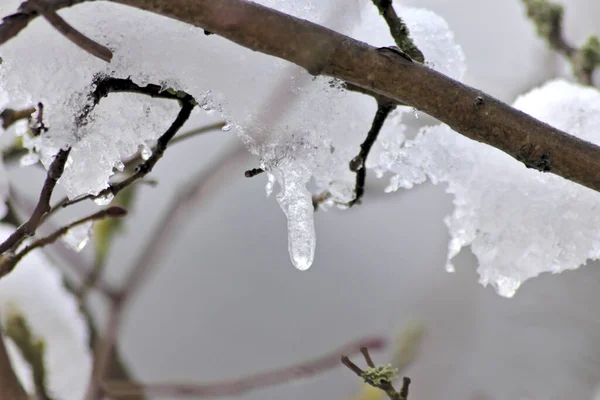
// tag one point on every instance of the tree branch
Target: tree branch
(240, 386)
(358, 163)
(324, 52)
(548, 19)
(15, 23)
(9, 261)
(94, 48)
(380, 377)
(398, 29)
(43, 206)
(106, 85)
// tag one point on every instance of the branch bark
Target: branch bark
(324, 52)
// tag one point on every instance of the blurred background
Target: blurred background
(224, 299)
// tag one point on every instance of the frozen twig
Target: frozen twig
(106, 85)
(43, 206)
(380, 377)
(94, 48)
(240, 386)
(398, 29)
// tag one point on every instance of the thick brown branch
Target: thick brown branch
(322, 51)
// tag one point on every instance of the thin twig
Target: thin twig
(358, 163)
(19, 205)
(240, 386)
(15, 23)
(399, 30)
(137, 159)
(9, 261)
(43, 206)
(548, 20)
(378, 377)
(188, 198)
(106, 85)
(78, 38)
(198, 131)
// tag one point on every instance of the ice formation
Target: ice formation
(519, 222)
(35, 291)
(77, 237)
(305, 130)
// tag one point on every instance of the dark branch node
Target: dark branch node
(479, 101)
(527, 156)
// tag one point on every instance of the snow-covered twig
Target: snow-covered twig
(240, 386)
(322, 51)
(106, 85)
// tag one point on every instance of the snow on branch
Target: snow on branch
(324, 52)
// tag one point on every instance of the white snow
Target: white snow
(519, 222)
